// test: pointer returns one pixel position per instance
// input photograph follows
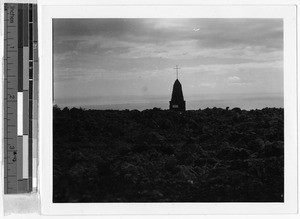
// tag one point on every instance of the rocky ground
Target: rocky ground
(210, 155)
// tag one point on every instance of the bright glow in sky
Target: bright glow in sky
(131, 61)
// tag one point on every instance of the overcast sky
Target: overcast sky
(118, 61)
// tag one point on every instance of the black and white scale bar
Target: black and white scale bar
(20, 72)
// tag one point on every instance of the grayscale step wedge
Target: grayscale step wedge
(20, 97)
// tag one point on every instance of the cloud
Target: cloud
(220, 33)
(137, 37)
(233, 79)
(216, 55)
(209, 85)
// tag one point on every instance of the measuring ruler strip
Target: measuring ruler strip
(10, 98)
(30, 94)
(25, 95)
(35, 97)
(20, 97)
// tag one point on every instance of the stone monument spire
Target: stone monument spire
(177, 102)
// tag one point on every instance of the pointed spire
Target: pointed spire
(176, 71)
(177, 102)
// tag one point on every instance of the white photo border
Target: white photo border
(47, 12)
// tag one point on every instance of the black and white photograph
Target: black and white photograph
(168, 110)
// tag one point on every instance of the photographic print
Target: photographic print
(168, 110)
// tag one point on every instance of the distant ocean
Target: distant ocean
(246, 102)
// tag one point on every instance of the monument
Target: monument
(177, 102)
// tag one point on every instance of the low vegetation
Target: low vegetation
(209, 155)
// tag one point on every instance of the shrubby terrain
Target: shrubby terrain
(210, 155)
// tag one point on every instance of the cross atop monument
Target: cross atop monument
(176, 71)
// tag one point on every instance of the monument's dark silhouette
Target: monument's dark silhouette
(177, 102)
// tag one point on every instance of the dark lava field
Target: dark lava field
(208, 155)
